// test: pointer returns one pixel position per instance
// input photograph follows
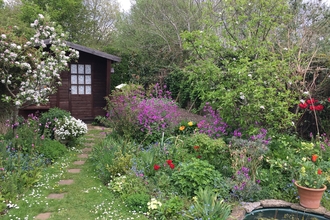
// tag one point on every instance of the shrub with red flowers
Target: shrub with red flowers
(311, 104)
(314, 118)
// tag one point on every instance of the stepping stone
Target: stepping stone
(90, 144)
(65, 182)
(74, 170)
(79, 162)
(56, 196)
(86, 150)
(83, 156)
(43, 216)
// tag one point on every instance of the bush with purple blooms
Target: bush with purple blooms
(249, 153)
(213, 125)
(244, 187)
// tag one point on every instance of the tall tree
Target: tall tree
(29, 72)
(103, 15)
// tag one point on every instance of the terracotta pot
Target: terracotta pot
(310, 198)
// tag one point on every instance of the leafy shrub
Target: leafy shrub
(19, 171)
(194, 174)
(51, 149)
(121, 106)
(126, 185)
(170, 209)
(138, 202)
(207, 206)
(48, 119)
(26, 137)
(215, 151)
(121, 164)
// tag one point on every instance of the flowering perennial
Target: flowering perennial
(70, 128)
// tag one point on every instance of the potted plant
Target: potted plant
(311, 183)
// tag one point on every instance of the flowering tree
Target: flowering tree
(29, 70)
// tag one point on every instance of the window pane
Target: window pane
(73, 79)
(88, 79)
(88, 69)
(81, 89)
(74, 90)
(81, 69)
(81, 79)
(73, 68)
(88, 90)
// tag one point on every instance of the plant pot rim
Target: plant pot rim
(318, 189)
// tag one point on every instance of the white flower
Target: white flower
(3, 36)
(306, 93)
(250, 75)
(262, 107)
(41, 16)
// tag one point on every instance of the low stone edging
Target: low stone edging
(239, 212)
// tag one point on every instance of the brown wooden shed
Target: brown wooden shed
(84, 85)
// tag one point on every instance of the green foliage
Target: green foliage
(47, 120)
(215, 151)
(110, 158)
(138, 202)
(194, 174)
(247, 153)
(207, 206)
(51, 149)
(120, 116)
(126, 185)
(121, 164)
(18, 172)
(171, 209)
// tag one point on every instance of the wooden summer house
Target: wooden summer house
(84, 85)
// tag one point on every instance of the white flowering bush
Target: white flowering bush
(69, 128)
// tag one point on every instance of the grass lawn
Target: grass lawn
(85, 199)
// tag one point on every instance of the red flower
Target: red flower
(311, 101)
(303, 105)
(196, 147)
(172, 166)
(314, 157)
(329, 99)
(156, 167)
(319, 171)
(319, 107)
(169, 162)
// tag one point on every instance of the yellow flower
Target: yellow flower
(303, 170)
(182, 128)
(190, 123)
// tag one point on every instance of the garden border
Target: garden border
(239, 212)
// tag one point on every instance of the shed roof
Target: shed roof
(90, 51)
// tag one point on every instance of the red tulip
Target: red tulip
(172, 166)
(319, 171)
(156, 167)
(169, 162)
(303, 105)
(314, 157)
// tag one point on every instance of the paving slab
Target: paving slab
(74, 170)
(83, 156)
(79, 162)
(43, 216)
(56, 196)
(87, 150)
(65, 182)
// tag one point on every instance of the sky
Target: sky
(126, 4)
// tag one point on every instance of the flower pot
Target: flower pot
(310, 198)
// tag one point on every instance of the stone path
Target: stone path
(81, 158)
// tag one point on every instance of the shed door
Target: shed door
(81, 91)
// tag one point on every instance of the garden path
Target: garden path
(78, 165)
